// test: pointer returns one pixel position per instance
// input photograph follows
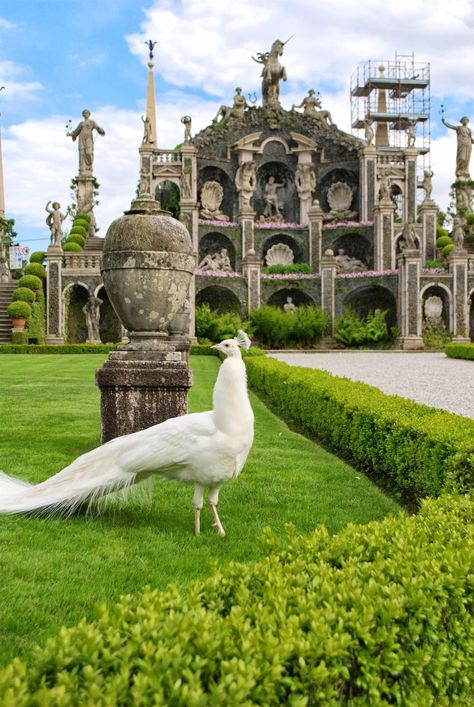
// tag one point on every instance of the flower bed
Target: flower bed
(366, 273)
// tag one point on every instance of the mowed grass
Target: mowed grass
(54, 571)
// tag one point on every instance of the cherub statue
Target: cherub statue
(187, 121)
(54, 221)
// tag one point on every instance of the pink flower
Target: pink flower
(277, 224)
(291, 276)
(367, 273)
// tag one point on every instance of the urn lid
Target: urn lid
(146, 227)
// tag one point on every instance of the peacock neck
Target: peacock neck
(231, 404)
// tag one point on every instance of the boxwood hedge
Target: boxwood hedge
(375, 615)
(460, 351)
(414, 450)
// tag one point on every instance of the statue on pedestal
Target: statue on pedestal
(92, 311)
(305, 179)
(272, 205)
(84, 132)
(146, 130)
(427, 183)
(272, 73)
(369, 132)
(464, 146)
(458, 232)
(411, 134)
(54, 221)
(246, 181)
(187, 122)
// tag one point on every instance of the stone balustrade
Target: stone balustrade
(167, 157)
(81, 262)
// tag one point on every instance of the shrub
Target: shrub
(294, 268)
(35, 269)
(80, 230)
(404, 446)
(19, 309)
(31, 281)
(352, 330)
(470, 219)
(380, 614)
(37, 321)
(59, 349)
(447, 249)
(24, 294)
(435, 263)
(81, 222)
(37, 256)
(276, 328)
(82, 216)
(465, 351)
(440, 231)
(443, 241)
(214, 326)
(71, 247)
(76, 238)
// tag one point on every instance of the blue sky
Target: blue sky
(57, 58)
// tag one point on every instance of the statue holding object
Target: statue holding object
(464, 146)
(85, 132)
(311, 105)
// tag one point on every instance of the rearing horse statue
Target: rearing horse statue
(272, 73)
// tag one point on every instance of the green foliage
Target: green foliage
(214, 326)
(352, 330)
(447, 249)
(37, 321)
(435, 263)
(58, 349)
(276, 328)
(31, 281)
(37, 256)
(76, 238)
(440, 231)
(443, 241)
(19, 337)
(303, 268)
(80, 230)
(80, 223)
(82, 216)
(377, 614)
(465, 351)
(19, 309)
(435, 336)
(71, 247)
(470, 219)
(35, 269)
(24, 294)
(404, 446)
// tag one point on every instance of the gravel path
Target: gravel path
(429, 378)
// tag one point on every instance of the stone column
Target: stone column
(315, 216)
(367, 181)
(189, 213)
(328, 288)
(409, 202)
(458, 267)
(409, 306)
(428, 212)
(246, 220)
(251, 265)
(54, 304)
(383, 234)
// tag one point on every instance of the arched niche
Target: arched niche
(213, 242)
(398, 242)
(435, 290)
(287, 195)
(168, 194)
(287, 240)
(278, 298)
(212, 173)
(219, 299)
(355, 246)
(338, 175)
(75, 297)
(366, 299)
(110, 327)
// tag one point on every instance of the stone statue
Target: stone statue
(464, 146)
(458, 232)
(187, 122)
(237, 110)
(272, 205)
(369, 132)
(212, 195)
(217, 261)
(347, 264)
(92, 311)
(146, 130)
(54, 221)
(311, 105)
(289, 305)
(186, 179)
(84, 132)
(272, 73)
(384, 177)
(144, 186)
(428, 183)
(409, 237)
(411, 134)
(305, 179)
(246, 181)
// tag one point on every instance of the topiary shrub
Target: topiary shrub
(447, 249)
(76, 238)
(35, 269)
(23, 294)
(465, 351)
(81, 222)
(71, 247)
(443, 241)
(352, 330)
(37, 256)
(18, 310)
(31, 281)
(82, 216)
(276, 328)
(78, 229)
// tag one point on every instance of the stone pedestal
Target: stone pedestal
(328, 288)
(458, 267)
(428, 211)
(54, 310)
(409, 203)
(251, 265)
(383, 234)
(409, 306)
(367, 181)
(315, 217)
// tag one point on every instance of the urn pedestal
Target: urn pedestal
(147, 267)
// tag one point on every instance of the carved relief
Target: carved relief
(279, 254)
(212, 195)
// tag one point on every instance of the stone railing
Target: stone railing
(167, 157)
(89, 262)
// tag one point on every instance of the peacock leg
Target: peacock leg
(197, 501)
(213, 498)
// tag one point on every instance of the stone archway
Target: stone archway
(110, 327)
(435, 290)
(278, 298)
(75, 297)
(168, 194)
(219, 299)
(368, 298)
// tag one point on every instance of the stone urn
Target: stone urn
(147, 267)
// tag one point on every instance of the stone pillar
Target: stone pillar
(367, 182)
(409, 202)
(428, 211)
(246, 220)
(189, 213)
(315, 216)
(328, 288)
(54, 303)
(409, 306)
(383, 234)
(458, 267)
(251, 265)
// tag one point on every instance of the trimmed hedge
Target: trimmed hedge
(375, 615)
(71, 247)
(35, 269)
(31, 281)
(460, 351)
(57, 349)
(414, 450)
(23, 294)
(19, 309)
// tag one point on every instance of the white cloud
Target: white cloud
(6, 24)
(16, 90)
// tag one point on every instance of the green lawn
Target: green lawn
(54, 571)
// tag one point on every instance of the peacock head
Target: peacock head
(231, 347)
